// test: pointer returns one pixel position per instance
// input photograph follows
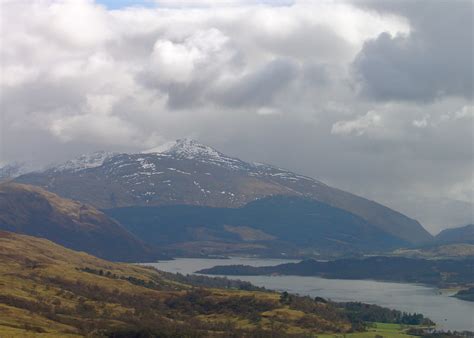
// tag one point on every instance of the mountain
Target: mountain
(464, 234)
(271, 226)
(34, 211)
(48, 290)
(435, 213)
(14, 169)
(189, 173)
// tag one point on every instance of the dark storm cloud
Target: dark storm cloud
(259, 87)
(433, 61)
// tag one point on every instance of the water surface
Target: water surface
(449, 313)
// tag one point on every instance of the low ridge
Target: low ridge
(464, 234)
(32, 210)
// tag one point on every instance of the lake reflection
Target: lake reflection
(449, 313)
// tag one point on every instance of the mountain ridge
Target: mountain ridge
(187, 172)
(462, 234)
(34, 211)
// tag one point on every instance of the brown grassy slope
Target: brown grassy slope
(34, 211)
(50, 290)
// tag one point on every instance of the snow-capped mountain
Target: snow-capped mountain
(188, 149)
(15, 169)
(187, 172)
(86, 161)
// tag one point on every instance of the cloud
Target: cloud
(421, 123)
(362, 124)
(432, 61)
(177, 61)
(370, 97)
(259, 87)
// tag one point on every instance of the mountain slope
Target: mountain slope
(464, 234)
(194, 174)
(260, 227)
(48, 290)
(14, 169)
(34, 211)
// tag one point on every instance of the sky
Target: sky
(373, 97)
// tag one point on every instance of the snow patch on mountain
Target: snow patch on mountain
(186, 148)
(16, 169)
(189, 149)
(85, 161)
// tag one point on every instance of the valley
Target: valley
(51, 291)
(190, 200)
(448, 312)
(236, 169)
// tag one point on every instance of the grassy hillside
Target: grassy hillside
(47, 289)
(37, 212)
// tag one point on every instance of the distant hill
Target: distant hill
(48, 290)
(464, 234)
(189, 173)
(272, 226)
(438, 251)
(32, 210)
(442, 273)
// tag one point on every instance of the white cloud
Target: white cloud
(359, 126)
(266, 82)
(421, 123)
(177, 61)
(465, 112)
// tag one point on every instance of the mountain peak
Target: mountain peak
(186, 148)
(191, 149)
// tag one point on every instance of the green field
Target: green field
(378, 330)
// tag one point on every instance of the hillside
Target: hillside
(438, 251)
(464, 234)
(273, 226)
(48, 290)
(34, 211)
(189, 173)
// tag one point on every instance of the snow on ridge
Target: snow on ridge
(186, 148)
(163, 148)
(193, 150)
(15, 169)
(85, 161)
